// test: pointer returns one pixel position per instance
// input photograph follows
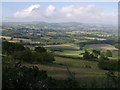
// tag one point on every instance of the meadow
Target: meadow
(58, 69)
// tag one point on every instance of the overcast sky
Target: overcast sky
(87, 12)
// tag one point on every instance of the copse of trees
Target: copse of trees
(34, 57)
(40, 49)
(97, 55)
(20, 53)
(20, 77)
(103, 58)
(117, 45)
(25, 56)
(93, 55)
(9, 47)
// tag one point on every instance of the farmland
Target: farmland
(63, 48)
(63, 39)
(59, 71)
(101, 46)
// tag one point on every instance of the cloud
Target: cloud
(88, 14)
(26, 12)
(70, 13)
(50, 10)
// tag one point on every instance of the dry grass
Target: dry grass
(102, 46)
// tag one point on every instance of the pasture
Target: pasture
(70, 54)
(78, 67)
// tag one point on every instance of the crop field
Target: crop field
(15, 39)
(71, 54)
(63, 47)
(101, 46)
(92, 38)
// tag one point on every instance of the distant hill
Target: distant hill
(61, 26)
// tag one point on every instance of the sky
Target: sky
(83, 12)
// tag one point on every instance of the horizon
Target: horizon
(61, 12)
(55, 22)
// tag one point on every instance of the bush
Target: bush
(43, 57)
(87, 66)
(40, 49)
(20, 77)
(88, 55)
(108, 53)
(109, 65)
(25, 56)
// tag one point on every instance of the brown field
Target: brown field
(63, 46)
(102, 46)
(6, 37)
(15, 39)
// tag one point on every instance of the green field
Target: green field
(58, 70)
(77, 54)
(70, 53)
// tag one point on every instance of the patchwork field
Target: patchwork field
(10, 39)
(72, 51)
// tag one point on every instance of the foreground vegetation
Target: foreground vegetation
(43, 55)
(61, 72)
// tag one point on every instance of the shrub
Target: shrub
(40, 49)
(109, 65)
(108, 53)
(20, 77)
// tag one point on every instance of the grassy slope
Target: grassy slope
(70, 53)
(59, 71)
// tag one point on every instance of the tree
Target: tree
(40, 49)
(42, 58)
(86, 55)
(112, 80)
(25, 56)
(103, 58)
(21, 77)
(96, 53)
(108, 53)
(9, 48)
